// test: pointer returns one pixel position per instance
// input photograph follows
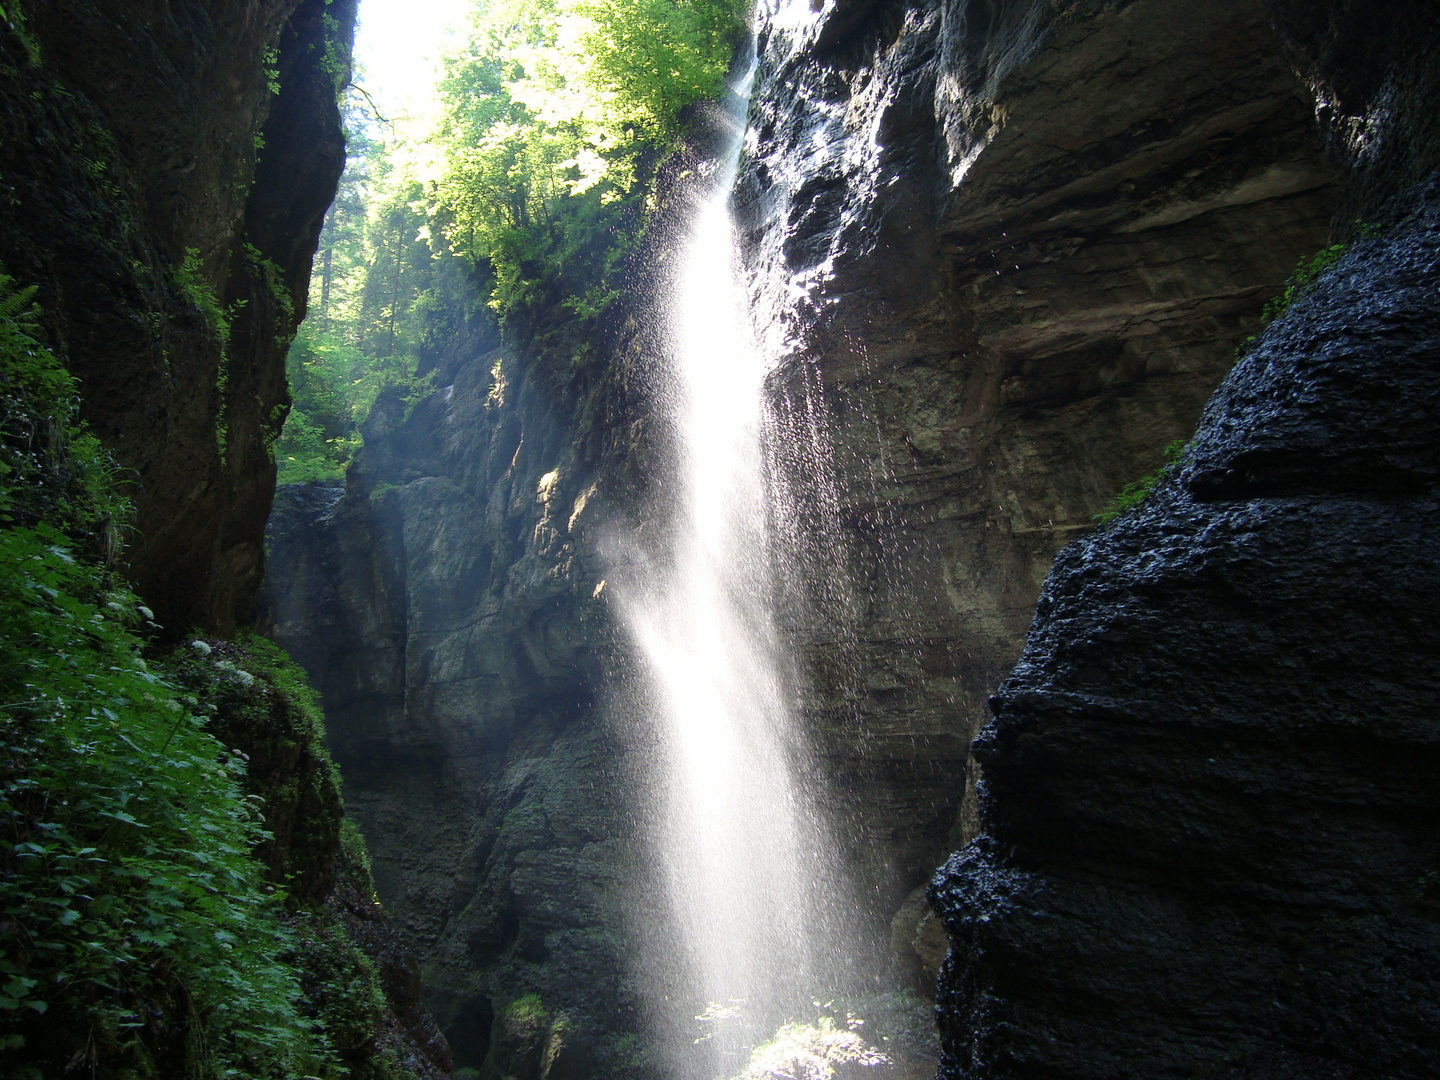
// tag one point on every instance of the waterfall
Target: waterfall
(756, 899)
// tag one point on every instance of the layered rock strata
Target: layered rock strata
(166, 168)
(1208, 843)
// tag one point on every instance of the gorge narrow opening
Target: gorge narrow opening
(738, 920)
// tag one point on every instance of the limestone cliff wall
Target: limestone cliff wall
(1208, 840)
(166, 168)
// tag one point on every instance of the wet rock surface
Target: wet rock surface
(1208, 810)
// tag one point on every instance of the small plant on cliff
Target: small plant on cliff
(272, 70)
(1133, 494)
(336, 62)
(1307, 272)
(12, 13)
(273, 277)
(189, 278)
(1300, 281)
(51, 468)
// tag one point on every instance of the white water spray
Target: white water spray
(749, 868)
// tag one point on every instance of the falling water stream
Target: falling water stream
(758, 903)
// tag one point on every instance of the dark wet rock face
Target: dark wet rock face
(149, 171)
(1209, 812)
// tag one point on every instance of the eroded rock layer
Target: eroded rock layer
(1209, 809)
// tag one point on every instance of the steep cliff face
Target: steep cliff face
(166, 168)
(1005, 252)
(1208, 809)
(448, 601)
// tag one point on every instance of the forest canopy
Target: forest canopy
(531, 190)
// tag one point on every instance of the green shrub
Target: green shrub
(189, 278)
(51, 468)
(139, 935)
(303, 453)
(1304, 276)
(127, 877)
(1307, 272)
(1133, 494)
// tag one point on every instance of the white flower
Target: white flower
(201, 647)
(243, 677)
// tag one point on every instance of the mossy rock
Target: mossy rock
(260, 705)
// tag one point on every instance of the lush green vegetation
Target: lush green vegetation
(386, 303)
(140, 934)
(556, 113)
(1307, 272)
(127, 871)
(51, 468)
(526, 203)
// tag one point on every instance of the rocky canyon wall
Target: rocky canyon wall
(166, 169)
(1208, 839)
(1003, 253)
(448, 601)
